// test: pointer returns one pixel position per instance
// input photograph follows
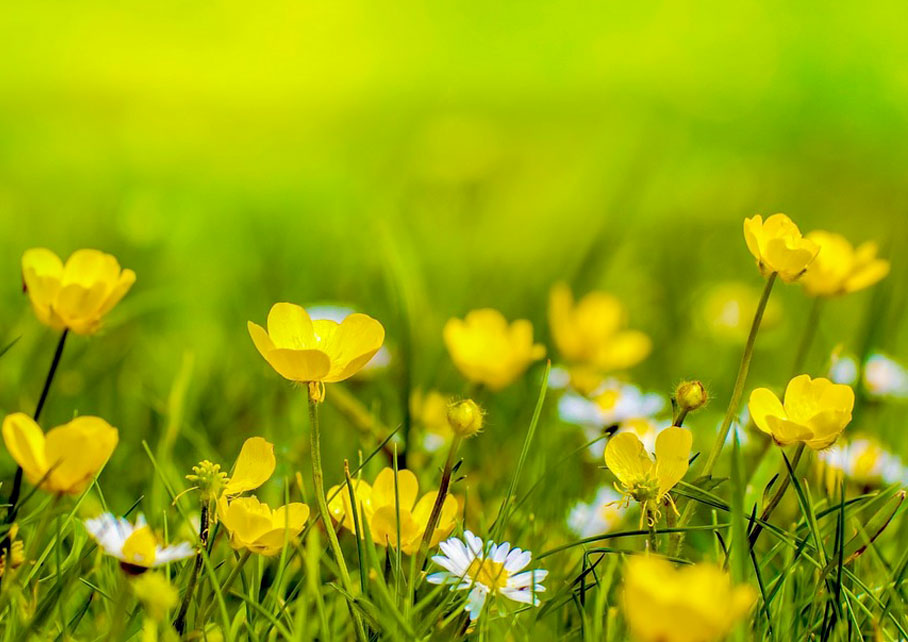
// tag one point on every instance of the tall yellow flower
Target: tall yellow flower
(815, 411)
(488, 350)
(778, 246)
(254, 526)
(77, 295)
(378, 506)
(593, 330)
(644, 480)
(841, 268)
(696, 603)
(67, 458)
(316, 351)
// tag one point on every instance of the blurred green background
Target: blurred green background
(416, 160)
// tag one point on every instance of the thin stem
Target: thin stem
(17, 480)
(180, 623)
(740, 380)
(810, 331)
(435, 515)
(318, 482)
(225, 587)
(784, 481)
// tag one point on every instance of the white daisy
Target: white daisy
(134, 544)
(487, 569)
(864, 460)
(884, 377)
(598, 516)
(843, 368)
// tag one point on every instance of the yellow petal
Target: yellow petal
(77, 451)
(624, 350)
(291, 516)
(354, 342)
(753, 230)
(246, 518)
(764, 403)
(784, 431)
(78, 305)
(42, 271)
(672, 454)
(300, 365)
(383, 489)
(139, 548)
(626, 457)
(89, 267)
(825, 427)
(119, 290)
(25, 442)
(254, 466)
(289, 326)
(384, 529)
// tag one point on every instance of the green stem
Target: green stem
(225, 587)
(318, 481)
(784, 481)
(180, 623)
(740, 380)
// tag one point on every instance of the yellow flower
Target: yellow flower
(378, 506)
(815, 411)
(840, 268)
(592, 331)
(487, 350)
(67, 458)
(321, 350)
(78, 294)
(643, 479)
(695, 603)
(253, 467)
(253, 526)
(778, 246)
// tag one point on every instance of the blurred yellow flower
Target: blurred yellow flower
(67, 458)
(321, 350)
(841, 268)
(778, 246)
(254, 526)
(77, 295)
(592, 330)
(815, 411)
(378, 506)
(644, 480)
(695, 603)
(156, 594)
(488, 350)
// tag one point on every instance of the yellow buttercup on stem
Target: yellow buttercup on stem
(815, 412)
(593, 330)
(490, 351)
(644, 480)
(841, 268)
(67, 458)
(778, 246)
(695, 603)
(78, 294)
(254, 526)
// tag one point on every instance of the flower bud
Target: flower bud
(465, 418)
(209, 478)
(691, 395)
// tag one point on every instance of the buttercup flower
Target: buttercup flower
(378, 508)
(487, 569)
(254, 526)
(592, 331)
(135, 545)
(862, 460)
(78, 294)
(815, 411)
(67, 458)
(644, 480)
(840, 268)
(702, 602)
(488, 350)
(778, 246)
(338, 313)
(309, 351)
(598, 516)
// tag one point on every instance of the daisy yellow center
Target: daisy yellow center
(489, 573)
(139, 548)
(608, 399)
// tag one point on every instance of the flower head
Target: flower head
(322, 350)
(488, 350)
(254, 526)
(380, 503)
(702, 602)
(64, 460)
(484, 569)
(778, 246)
(644, 480)
(593, 331)
(691, 395)
(465, 418)
(841, 268)
(815, 411)
(75, 295)
(135, 545)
